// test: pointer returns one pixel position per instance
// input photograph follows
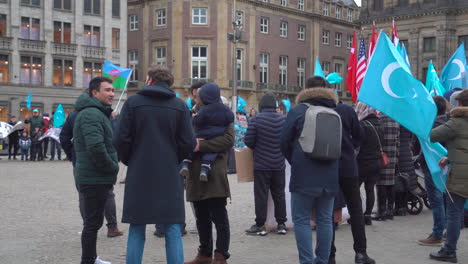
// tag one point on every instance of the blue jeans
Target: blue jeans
(302, 206)
(437, 202)
(136, 244)
(454, 214)
(53, 146)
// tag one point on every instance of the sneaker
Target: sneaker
(184, 172)
(159, 233)
(114, 232)
(257, 230)
(444, 255)
(430, 241)
(282, 230)
(100, 261)
(203, 176)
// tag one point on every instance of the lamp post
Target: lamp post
(235, 36)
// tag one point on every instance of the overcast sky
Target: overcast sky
(358, 2)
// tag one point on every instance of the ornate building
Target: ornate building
(430, 29)
(279, 40)
(52, 48)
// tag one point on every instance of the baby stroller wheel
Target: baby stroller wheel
(414, 204)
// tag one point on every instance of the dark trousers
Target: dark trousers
(401, 199)
(385, 199)
(36, 151)
(24, 154)
(352, 194)
(54, 145)
(110, 211)
(369, 174)
(94, 202)
(13, 144)
(45, 146)
(207, 157)
(273, 181)
(210, 211)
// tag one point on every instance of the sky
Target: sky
(358, 2)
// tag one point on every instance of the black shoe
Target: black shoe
(331, 260)
(444, 255)
(367, 219)
(281, 230)
(362, 258)
(159, 234)
(379, 217)
(389, 214)
(257, 230)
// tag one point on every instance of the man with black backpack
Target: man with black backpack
(309, 142)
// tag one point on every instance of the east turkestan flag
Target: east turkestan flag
(119, 75)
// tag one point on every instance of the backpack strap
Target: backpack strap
(377, 134)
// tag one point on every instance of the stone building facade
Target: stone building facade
(52, 48)
(279, 42)
(430, 29)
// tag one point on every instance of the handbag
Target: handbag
(384, 160)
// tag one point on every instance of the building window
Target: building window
(284, 29)
(91, 36)
(91, 70)
(326, 67)
(338, 12)
(116, 8)
(283, 70)
(301, 62)
(132, 63)
(200, 16)
(338, 68)
(133, 22)
(92, 7)
(349, 41)
(62, 32)
(161, 56)
(350, 15)
(239, 57)
(326, 7)
(301, 32)
(300, 5)
(266, 1)
(116, 38)
(63, 73)
(284, 2)
(264, 25)
(461, 39)
(161, 17)
(31, 70)
(31, 2)
(3, 25)
(4, 69)
(30, 28)
(199, 62)
(62, 4)
(264, 61)
(430, 44)
(338, 39)
(326, 37)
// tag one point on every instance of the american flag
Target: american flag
(361, 65)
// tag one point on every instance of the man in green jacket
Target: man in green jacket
(36, 120)
(454, 134)
(96, 160)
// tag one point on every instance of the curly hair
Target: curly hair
(158, 73)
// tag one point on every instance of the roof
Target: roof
(346, 2)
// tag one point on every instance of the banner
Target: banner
(54, 133)
(6, 129)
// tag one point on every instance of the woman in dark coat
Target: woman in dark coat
(369, 159)
(154, 136)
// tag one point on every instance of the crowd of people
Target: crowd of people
(193, 150)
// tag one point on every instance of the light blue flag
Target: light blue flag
(177, 95)
(28, 101)
(189, 103)
(59, 116)
(318, 69)
(433, 153)
(433, 85)
(454, 71)
(390, 88)
(404, 55)
(287, 104)
(334, 78)
(241, 103)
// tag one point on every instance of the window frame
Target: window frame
(62, 5)
(199, 59)
(283, 29)
(161, 19)
(200, 16)
(301, 5)
(161, 60)
(326, 36)
(349, 41)
(94, 70)
(326, 67)
(301, 65)
(31, 68)
(433, 41)
(301, 31)
(4, 64)
(93, 7)
(338, 12)
(284, 3)
(283, 70)
(338, 39)
(30, 3)
(350, 15)
(326, 9)
(264, 67)
(64, 70)
(133, 22)
(264, 28)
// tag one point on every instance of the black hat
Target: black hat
(267, 101)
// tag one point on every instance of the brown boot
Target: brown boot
(114, 232)
(219, 259)
(199, 259)
(430, 241)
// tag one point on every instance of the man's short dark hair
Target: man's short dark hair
(197, 85)
(95, 83)
(441, 104)
(316, 82)
(158, 73)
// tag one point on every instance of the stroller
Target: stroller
(416, 195)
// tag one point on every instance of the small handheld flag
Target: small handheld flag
(28, 101)
(318, 69)
(59, 116)
(119, 75)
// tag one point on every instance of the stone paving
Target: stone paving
(40, 223)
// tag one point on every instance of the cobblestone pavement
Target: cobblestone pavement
(40, 223)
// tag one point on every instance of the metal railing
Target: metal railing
(243, 85)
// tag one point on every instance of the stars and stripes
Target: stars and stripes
(361, 64)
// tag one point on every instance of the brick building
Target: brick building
(276, 52)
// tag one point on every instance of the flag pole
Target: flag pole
(120, 99)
